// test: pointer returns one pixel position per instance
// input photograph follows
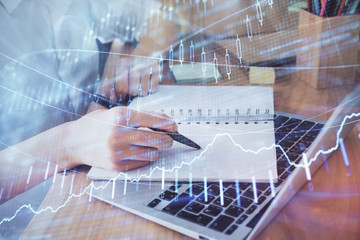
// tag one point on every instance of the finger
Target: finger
(155, 84)
(146, 119)
(155, 79)
(144, 81)
(122, 85)
(134, 80)
(109, 75)
(138, 137)
(113, 96)
(105, 84)
(133, 152)
(125, 165)
(150, 80)
(147, 79)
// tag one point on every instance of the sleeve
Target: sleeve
(76, 32)
(125, 20)
(78, 57)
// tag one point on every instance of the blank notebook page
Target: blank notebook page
(233, 125)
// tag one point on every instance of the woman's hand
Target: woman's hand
(128, 71)
(111, 139)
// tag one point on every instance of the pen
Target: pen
(323, 6)
(340, 8)
(105, 102)
(317, 7)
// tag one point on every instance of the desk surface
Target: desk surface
(330, 210)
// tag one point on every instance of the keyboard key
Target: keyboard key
(244, 185)
(195, 189)
(305, 125)
(262, 186)
(234, 211)
(280, 170)
(283, 162)
(284, 175)
(195, 207)
(293, 122)
(251, 209)
(167, 195)
(241, 219)
(250, 193)
(299, 133)
(201, 199)
(172, 188)
(306, 143)
(294, 137)
(292, 156)
(231, 230)
(279, 137)
(314, 132)
(231, 193)
(261, 200)
(280, 120)
(279, 181)
(299, 148)
(175, 206)
(199, 219)
(245, 202)
(227, 202)
(154, 203)
(285, 144)
(310, 136)
(213, 210)
(318, 126)
(214, 190)
(221, 223)
(301, 145)
(284, 129)
(226, 184)
(279, 152)
(267, 192)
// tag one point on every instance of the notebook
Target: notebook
(233, 125)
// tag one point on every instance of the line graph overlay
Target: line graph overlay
(91, 185)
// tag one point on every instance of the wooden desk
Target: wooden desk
(330, 211)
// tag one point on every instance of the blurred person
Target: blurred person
(49, 66)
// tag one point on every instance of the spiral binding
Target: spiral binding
(218, 116)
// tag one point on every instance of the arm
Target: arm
(126, 72)
(100, 138)
(35, 153)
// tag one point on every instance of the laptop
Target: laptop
(238, 210)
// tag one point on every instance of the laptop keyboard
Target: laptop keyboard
(225, 209)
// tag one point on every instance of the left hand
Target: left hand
(127, 68)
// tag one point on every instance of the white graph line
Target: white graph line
(91, 185)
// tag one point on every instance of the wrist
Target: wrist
(94, 106)
(68, 152)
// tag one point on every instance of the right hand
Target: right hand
(106, 139)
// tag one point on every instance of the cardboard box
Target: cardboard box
(327, 50)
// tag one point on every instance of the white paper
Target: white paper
(229, 151)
